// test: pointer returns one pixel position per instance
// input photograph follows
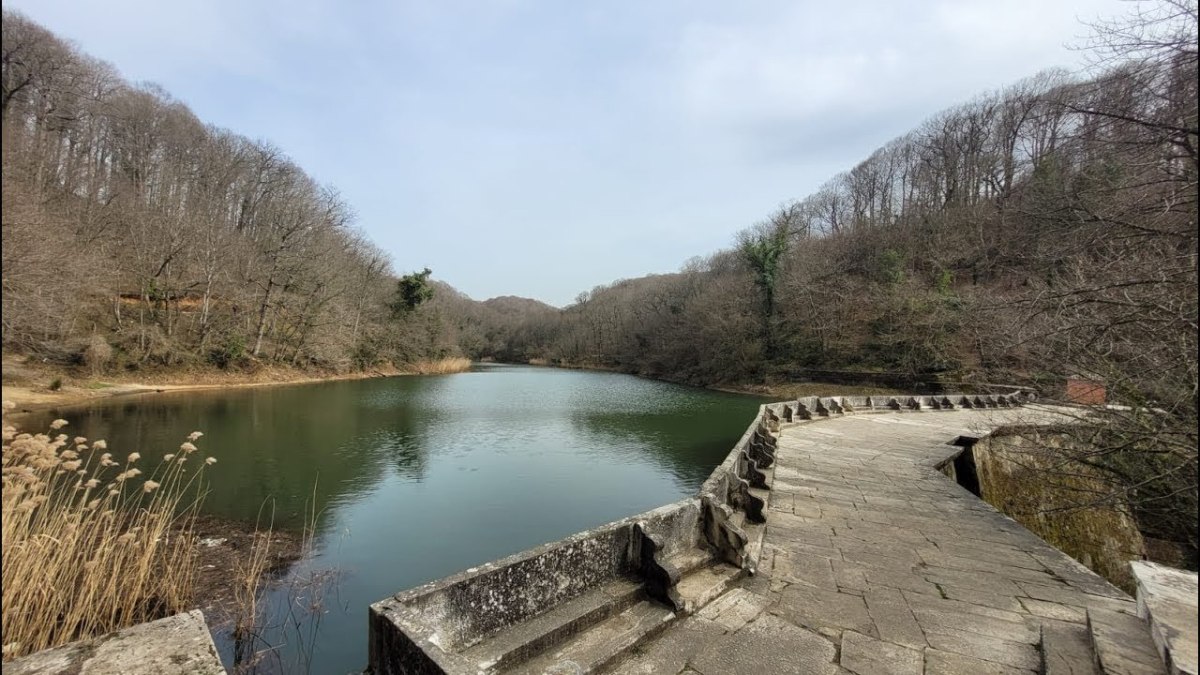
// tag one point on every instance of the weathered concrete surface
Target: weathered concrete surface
(1122, 643)
(1166, 598)
(442, 626)
(176, 645)
(874, 562)
(1067, 650)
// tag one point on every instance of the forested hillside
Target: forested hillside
(136, 236)
(1043, 229)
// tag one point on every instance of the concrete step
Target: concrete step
(764, 495)
(691, 559)
(597, 646)
(529, 638)
(755, 533)
(1067, 650)
(1122, 644)
(702, 585)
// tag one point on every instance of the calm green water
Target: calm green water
(420, 477)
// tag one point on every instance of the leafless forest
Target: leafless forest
(1041, 230)
(135, 236)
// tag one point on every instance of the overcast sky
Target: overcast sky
(542, 148)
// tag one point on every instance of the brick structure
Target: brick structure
(1085, 392)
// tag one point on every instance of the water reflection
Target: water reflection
(420, 477)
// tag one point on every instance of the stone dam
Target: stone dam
(833, 539)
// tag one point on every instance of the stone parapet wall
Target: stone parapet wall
(731, 487)
(426, 627)
(430, 623)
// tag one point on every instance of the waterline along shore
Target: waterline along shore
(32, 387)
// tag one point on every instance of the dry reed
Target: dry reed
(455, 364)
(295, 620)
(248, 576)
(91, 542)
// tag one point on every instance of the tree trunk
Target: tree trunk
(262, 317)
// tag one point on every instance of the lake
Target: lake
(417, 477)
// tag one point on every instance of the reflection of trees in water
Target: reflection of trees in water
(276, 446)
(684, 431)
(400, 440)
(687, 442)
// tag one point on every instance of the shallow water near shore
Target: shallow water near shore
(415, 478)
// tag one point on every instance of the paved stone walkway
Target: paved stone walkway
(874, 562)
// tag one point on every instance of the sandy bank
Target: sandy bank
(30, 385)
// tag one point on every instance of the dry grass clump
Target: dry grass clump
(96, 354)
(259, 627)
(456, 364)
(92, 542)
(248, 576)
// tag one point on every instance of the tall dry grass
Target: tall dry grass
(93, 542)
(247, 587)
(455, 364)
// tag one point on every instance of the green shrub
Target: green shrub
(231, 352)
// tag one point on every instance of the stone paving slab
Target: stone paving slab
(867, 656)
(176, 645)
(768, 646)
(674, 649)
(875, 562)
(1067, 650)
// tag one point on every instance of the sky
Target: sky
(543, 148)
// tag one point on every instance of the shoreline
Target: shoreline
(31, 397)
(785, 391)
(777, 391)
(36, 399)
(224, 549)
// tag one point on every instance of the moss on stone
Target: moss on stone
(1027, 476)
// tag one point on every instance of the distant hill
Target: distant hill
(517, 305)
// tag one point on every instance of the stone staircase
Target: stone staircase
(1111, 643)
(1067, 650)
(1159, 639)
(526, 640)
(596, 628)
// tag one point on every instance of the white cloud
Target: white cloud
(806, 61)
(163, 40)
